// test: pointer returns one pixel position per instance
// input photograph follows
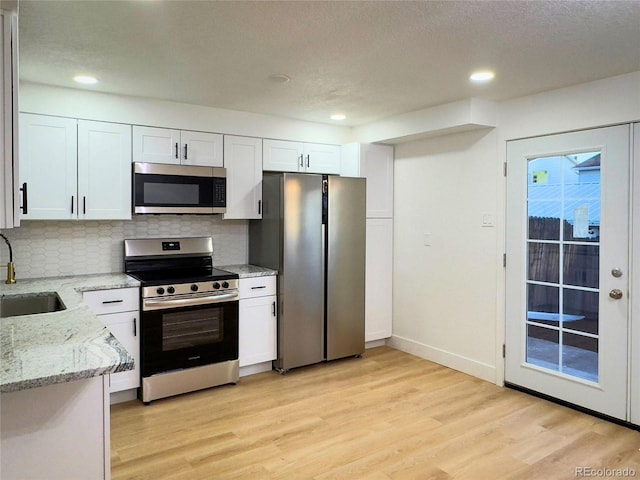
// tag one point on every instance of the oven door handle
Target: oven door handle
(153, 304)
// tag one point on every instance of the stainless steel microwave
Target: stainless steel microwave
(178, 189)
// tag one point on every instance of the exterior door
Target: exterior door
(568, 267)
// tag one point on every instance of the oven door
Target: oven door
(189, 336)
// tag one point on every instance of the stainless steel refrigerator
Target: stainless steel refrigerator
(313, 232)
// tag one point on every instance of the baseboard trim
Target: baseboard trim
(375, 343)
(451, 360)
(256, 368)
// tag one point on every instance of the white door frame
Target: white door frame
(581, 393)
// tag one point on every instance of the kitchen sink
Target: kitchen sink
(28, 304)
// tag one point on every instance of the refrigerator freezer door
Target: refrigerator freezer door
(346, 232)
(301, 287)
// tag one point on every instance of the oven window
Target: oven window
(190, 329)
(171, 193)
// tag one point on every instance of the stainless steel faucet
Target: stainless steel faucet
(11, 271)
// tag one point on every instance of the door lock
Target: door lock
(616, 294)
(616, 272)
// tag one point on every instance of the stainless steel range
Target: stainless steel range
(189, 316)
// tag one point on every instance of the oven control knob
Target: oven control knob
(216, 285)
(225, 284)
(194, 288)
(171, 290)
(160, 290)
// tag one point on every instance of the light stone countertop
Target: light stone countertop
(248, 271)
(72, 344)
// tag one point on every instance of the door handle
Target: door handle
(616, 294)
(24, 198)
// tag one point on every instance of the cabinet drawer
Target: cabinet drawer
(257, 286)
(112, 301)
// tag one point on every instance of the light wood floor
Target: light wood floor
(388, 415)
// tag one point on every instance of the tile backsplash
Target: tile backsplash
(56, 248)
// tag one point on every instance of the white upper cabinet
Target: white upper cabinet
(156, 145)
(202, 149)
(75, 169)
(243, 161)
(319, 158)
(286, 156)
(375, 163)
(164, 145)
(9, 203)
(104, 171)
(49, 167)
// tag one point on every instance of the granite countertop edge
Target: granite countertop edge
(248, 270)
(72, 344)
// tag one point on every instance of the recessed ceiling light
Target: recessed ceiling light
(85, 79)
(482, 76)
(338, 116)
(279, 78)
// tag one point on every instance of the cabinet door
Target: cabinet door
(243, 161)
(376, 165)
(104, 171)
(282, 156)
(201, 149)
(379, 268)
(257, 335)
(48, 165)
(156, 145)
(9, 203)
(321, 158)
(125, 327)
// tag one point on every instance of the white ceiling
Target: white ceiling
(367, 59)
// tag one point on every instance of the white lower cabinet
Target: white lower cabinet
(119, 310)
(57, 432)
(258, 319)
(379, 268)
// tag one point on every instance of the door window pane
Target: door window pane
(581, 265)
(544, 262)
(580, 310)
(543, 347)
(580, 356)
(543, 299)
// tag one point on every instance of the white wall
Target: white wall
(449, 297)
(76, 103)
(445, 294)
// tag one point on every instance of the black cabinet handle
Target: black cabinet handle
(301, 161)
(135, 328)
(307, 161)
(71, 203)
(24, 198)
(177, 154)
(84, 205)
(258, 288)
(106, 302)
(185, 151)
(273, 306)
(259, 207)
